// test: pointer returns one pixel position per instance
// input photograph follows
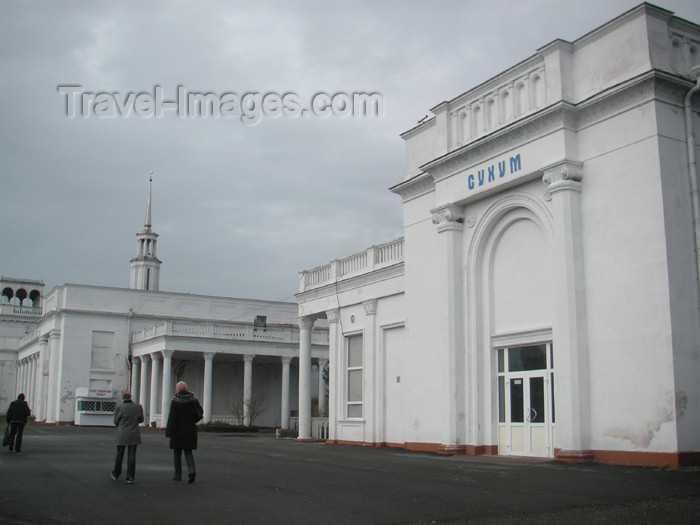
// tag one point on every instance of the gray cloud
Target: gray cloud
(240, 208)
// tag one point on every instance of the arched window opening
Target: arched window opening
(520, 100)
(492, 114)
(21, 295)
(35, 297)
(478, 122)
(7, 295)
(538, 91)
(506, 106)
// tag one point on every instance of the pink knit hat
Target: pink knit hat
(181, 387)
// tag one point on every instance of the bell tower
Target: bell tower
(145, 267)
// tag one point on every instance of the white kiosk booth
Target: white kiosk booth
(95, 407)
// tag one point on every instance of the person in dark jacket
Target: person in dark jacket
(185, 412)
(17, 416)
(127, 417)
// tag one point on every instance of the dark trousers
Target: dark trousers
(130, 461)
(189, 459)
(16, 432)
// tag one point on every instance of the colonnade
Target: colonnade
(152, 384)
(29, 374)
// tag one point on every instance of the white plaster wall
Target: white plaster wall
(682, 274)
(428, 364)
(630, 352)
(76, 345)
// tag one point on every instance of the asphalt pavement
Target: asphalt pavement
(62, 476)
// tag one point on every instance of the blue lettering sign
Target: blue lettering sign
(515, 163)
(487, 174)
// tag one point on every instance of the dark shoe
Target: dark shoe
(191, 480)
(177, 479)
(18, 450)
(10, 449)
(114, 476)
(129, 480)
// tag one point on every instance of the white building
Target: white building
(20, 309)
(239, 356)
(544, 299)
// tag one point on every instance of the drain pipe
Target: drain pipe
(692, 168)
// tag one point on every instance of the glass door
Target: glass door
(526, 401)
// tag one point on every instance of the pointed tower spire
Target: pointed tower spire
(147, 224)
(145, 267)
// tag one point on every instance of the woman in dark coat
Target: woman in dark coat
(185, 412)
(127, 417)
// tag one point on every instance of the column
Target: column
(563, 190)
(52, 397)
(247, 387)
(322, 411)
(40, 401)
(208, 373)
(166, 393)
(305, 326)
(32, 379)
(155, 379)
(135, 377)
(450, 224)
(286, 360)
(143, 388)
(334, 357)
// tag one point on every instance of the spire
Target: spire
(147, 225)
(145, 267)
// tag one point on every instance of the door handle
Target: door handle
(533, 416)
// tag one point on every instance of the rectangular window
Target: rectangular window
(102, 350)
(354, 376)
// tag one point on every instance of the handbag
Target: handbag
(6, 436)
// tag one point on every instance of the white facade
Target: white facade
(241, 357)
(544, 300)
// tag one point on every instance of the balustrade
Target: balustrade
(373, 258)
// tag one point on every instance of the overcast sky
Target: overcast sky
(240, 207)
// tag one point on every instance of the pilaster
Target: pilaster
(334, 347)
(449, 221)
(563, 190)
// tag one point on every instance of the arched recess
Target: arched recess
(7, 295)
(35, 296)
(499, 233)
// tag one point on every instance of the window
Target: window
(354, 376)
(102, 350)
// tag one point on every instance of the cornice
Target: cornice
(412, 188)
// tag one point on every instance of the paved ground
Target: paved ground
(62, 477)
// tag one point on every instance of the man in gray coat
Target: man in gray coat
(127, 417)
